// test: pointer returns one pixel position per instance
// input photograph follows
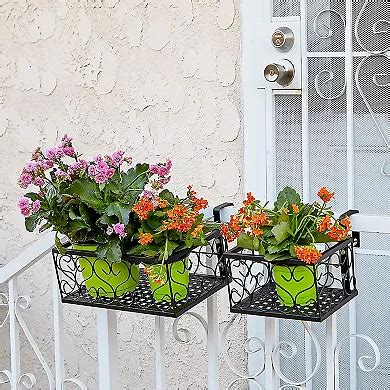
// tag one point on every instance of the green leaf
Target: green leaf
(292, 250)
(168, 196)
(77, 225)
(287, 197)
(246, 241)
(59, 245)
(321, 237)
(44, 227)
(154, 222)
(110, 251)
(261, 249)
(136, 250)
(85, 213)
(277, 248)
(171, 246)
(33, 196)
(120, 210)
(31, 222)
(277, 256)
(134, 181)
(88, 192)
(106, 220)
(281, 231)
(150, 253)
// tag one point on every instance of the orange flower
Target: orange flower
(325, 224)
(295, 208)
(162, 203)
(178, 211)
(197, 231)
(260, 219)
(197, 203)
(145, 238)
(325, 194)
(249, 199)
(180, 219)
(257, 232)
(143, 207)
(308, 254)
(338, 233)
(231, 230)
(346, 222)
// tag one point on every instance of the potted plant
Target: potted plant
(90, 202)
(288, 234)
(169, 224)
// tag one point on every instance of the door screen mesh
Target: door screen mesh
(286, 8)
(328, 165)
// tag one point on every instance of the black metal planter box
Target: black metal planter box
(190, 276)
(292, 289)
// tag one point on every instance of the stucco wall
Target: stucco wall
(156, 78)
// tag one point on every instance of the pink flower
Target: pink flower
(68, 151)
(54, 153)
(25, 206)
(24, 202)
(46, 164)
(148, 195)
(77, 167)
(119, 228)
(101, 172)
(161, 170)
(25, 179)
(38, 181)
(92, 170)
(61, 175)
(66, 140)
(36, 205)
(116, 159)
(31, 166)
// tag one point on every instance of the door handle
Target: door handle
(282, 73)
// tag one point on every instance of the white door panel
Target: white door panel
(336, 132)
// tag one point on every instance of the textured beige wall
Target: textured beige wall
(156, 78)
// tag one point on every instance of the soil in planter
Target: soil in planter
(295, 285)
(107, 279)
(175, 285)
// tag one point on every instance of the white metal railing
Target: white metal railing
(267, 345)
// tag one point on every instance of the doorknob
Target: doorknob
(283, 39)
(282, 73)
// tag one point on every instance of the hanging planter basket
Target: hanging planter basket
(292, 289)
(188, 277)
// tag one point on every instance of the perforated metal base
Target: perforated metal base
(142, 301)
(265, 302)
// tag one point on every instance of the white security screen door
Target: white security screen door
(321, 70)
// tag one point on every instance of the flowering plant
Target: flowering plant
(289, 229)
(88, 201)
(169, 223)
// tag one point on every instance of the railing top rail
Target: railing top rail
(27, 258)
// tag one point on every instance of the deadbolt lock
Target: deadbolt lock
(282, 73)
(283, 39)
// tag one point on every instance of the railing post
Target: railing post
(331, 341)
(107, 349)
(14, 333)
(270, 339)
(212, 332)
(58, 335)
(160, 353)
